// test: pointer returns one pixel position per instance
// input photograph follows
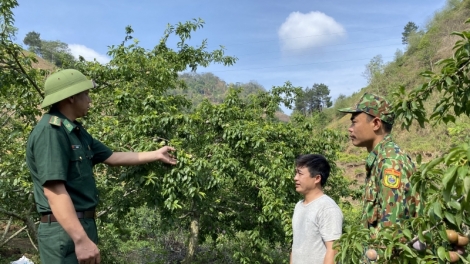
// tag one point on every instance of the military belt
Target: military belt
(49, 217)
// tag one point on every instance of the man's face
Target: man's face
(361, 130)
(81, 103)
(304, 183)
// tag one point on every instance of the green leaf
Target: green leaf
(466, 186)
(437, 209)
(462, 172)
(451, 155)
(458, 219)
(455, 205)
(441, 253)
(450, 217)
(419, 159)
(407, 249)
(449, 81)
(407, 233)
(359, 247)
(442, 232)
(431, 165)
(448, 181)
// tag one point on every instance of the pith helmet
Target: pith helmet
(63, 84)
(373, 105)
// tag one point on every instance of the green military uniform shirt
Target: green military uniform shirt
(59, 149)
(388, 196)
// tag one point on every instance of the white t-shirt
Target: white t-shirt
(314, 223)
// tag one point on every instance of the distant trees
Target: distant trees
(55, 51)
(251, 87)
(200, 86)
(313, 99)
(374, 67)
(33, 40)
(409, 29)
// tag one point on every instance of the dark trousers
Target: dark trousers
(56, 246)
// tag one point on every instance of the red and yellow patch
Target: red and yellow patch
(391, 178)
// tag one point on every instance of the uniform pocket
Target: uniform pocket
(370, 192)
(54, 242)
(75, 170)
(371, 207)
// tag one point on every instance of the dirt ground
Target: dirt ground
(17, 247)
(354, 171)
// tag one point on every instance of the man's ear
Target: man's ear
(318, 178)
(376, 124)
(71, 99)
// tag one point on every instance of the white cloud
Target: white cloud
(87, 53)
(305, 31)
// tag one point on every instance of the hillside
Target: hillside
(425, 48)
(210, 87)
(41, 63)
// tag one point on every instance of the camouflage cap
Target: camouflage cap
(373, 105)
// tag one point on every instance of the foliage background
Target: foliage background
(230, 199)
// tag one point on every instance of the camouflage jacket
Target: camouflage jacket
(388, 196)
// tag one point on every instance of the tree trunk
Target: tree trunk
(193, 239)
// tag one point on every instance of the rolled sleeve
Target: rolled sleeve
(100, 151)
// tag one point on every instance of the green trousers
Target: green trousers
(56, 246)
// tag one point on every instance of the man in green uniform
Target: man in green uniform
(388, 196)
(60, 155)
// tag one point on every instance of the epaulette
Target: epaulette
(55, 121)
(371, 159)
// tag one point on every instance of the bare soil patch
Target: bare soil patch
(17, 247)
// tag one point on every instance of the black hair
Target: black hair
(54, 107)
(387, 127)
(316, 165)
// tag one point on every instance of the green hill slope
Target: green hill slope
(210, 87)
(424, 49)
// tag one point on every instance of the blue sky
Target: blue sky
(301, 41)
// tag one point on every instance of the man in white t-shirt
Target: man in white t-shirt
(317, 220)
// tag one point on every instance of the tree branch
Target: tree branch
(27, 76)
(416, 238)
(15, 234)
(7, 228)
(31, 240)
(21, 69)
(9, 213)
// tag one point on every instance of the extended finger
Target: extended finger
(87, 261)
(98, 258)
(170, 148)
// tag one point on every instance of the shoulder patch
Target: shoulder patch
(391, 178)
(55, 121)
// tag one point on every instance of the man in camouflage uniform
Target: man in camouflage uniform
(388, 196)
